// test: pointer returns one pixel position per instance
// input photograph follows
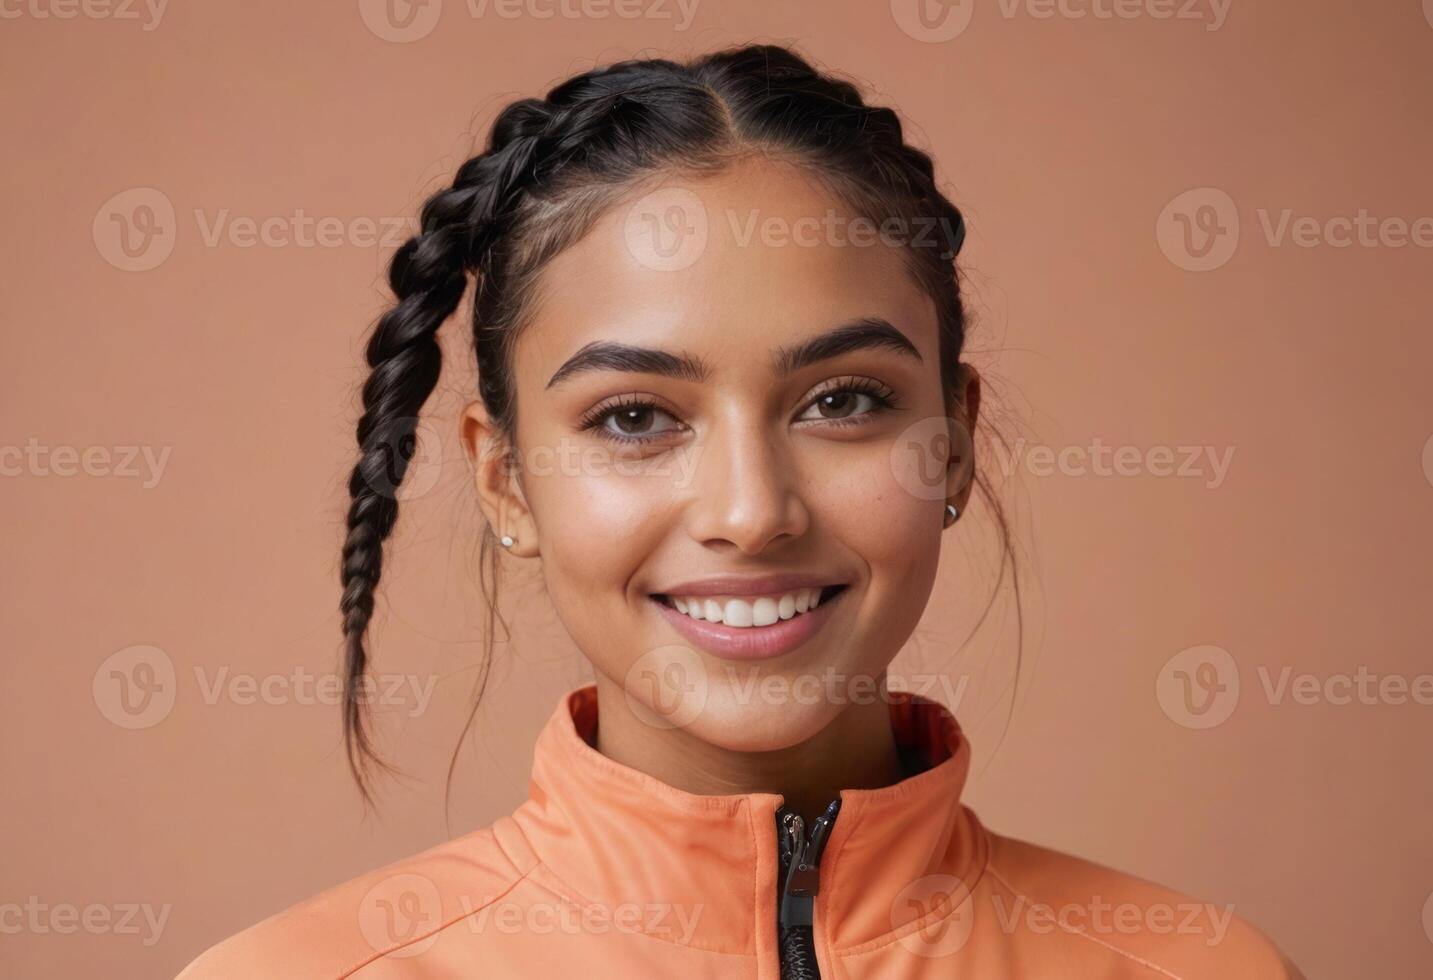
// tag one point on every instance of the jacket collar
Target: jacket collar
(702, 870)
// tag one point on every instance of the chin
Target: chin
(756, 711)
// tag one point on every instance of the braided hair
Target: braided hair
(550, 169)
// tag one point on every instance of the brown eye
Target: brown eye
(838, 404)
(630, 421)
(843, 404)
(634, 420)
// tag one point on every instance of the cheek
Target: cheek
(598, 525)
(866, 500)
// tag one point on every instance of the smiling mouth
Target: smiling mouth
(756, 612)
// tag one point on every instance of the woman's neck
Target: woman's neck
(857, 750)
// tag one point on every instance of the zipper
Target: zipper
(797, 884)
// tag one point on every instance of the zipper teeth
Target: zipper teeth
(797, 940)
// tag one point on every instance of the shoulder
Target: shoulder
(1156, 931)
(381, 913)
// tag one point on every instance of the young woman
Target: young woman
(722, 402)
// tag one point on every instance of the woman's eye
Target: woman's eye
(633, 422)
(844, 403)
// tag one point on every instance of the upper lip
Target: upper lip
(749, 584)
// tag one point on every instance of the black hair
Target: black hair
(550, 168)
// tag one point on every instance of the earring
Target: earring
(952, 514)
(507, 541)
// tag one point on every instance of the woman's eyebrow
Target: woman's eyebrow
(863, 334)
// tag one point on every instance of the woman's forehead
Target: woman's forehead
(752, 257)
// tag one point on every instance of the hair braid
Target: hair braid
(428, 276)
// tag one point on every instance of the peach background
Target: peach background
(1063, 138)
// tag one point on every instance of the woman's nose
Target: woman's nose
(747, 491)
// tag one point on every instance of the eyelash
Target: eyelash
(884, 399)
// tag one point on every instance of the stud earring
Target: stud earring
(507, 541)
(952, 514)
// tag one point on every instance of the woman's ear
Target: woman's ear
(964, 411)
(497, 476)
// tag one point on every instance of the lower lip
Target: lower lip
(749, 642)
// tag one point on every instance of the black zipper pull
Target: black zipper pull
(803, 867)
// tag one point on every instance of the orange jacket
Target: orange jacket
(605, 872)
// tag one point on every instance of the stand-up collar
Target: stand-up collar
(702, 870)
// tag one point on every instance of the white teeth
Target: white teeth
(762, 611)
(737, 612)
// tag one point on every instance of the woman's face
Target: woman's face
(680, 421)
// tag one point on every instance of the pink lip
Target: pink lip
(749, 642)
(736, 585)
